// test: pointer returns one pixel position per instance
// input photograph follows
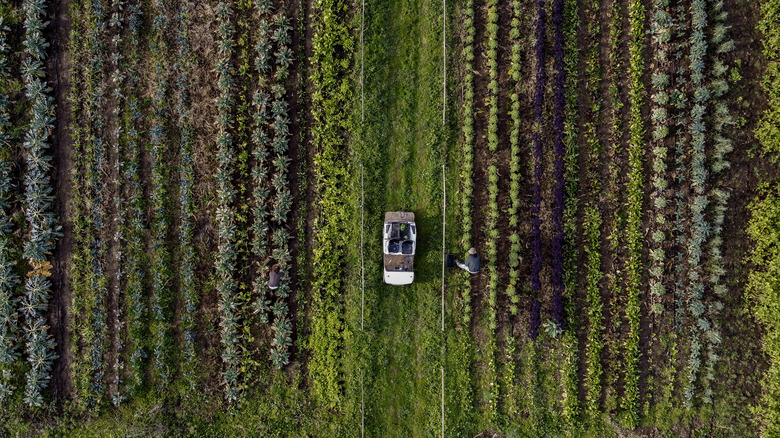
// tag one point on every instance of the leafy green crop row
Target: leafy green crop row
(38, 205)
(225, 264)
(331, 66)
(570, 344)
(161, 258)
(661, 26)
(763, 288)
(616, 233)
(467, 165)
(118, 76)
(678, 99)
(271, 136)
(187, 284)
(9, 326)
(721, 145)
(241, 149)
(491, 230)
(702, 230)
(514, 162)
(634, 210)
(135, 233)
(662, 31)
(699, 225)
(593, 220)
(89, 290)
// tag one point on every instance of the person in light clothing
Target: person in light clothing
(472, 262)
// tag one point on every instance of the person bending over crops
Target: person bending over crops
(274, 277)
(472, 262)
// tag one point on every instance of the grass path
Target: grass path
(402, 146)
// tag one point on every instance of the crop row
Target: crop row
(678, 100)
(762, 288)
(634, 237)
(261, 189)
(271, 136)
(38, 205)
(721, 145)
(161, 258)
(9, 326)
(135, 232)
(241, 150)
(187, 284)
(663, 114)
(491, 228)
(662, 28)
(678, 109)
(96, 280)
(87, 303)
(514, 161)
(701, 230)
(593, 220)
(570, 274)
(332, 53)
(117, 79)
(225, 264)
(467, 166)
(616, 232)
(699, 225)
(536, 220)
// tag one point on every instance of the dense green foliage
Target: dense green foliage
(570, 343)
(225, 264)
(514, 162)
(161, 257)
(203, 154)
(90, 289)
(763, 289)
(189, 293)
(634, 208)
(491, 229)
(136, 304)
(768, 132)
(333, 46)
(272, 61)
(465, 198)
(764, 229)
(38, 206)
(592, 224)
(9, 325)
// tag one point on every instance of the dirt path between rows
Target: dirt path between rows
(59, 67)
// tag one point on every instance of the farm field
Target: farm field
(613, 162)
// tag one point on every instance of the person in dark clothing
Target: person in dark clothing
(472, 262)
(274, 277)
